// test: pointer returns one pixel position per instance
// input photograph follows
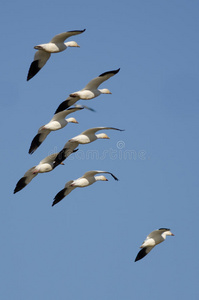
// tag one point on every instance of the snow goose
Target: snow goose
(44, 50)
(45, 165)
(154, 238)
(87, 179)
(85, 137)
(56, 123)
(90, 91)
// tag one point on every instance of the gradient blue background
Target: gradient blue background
(85, 246)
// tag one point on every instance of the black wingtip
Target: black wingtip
(64, 105)
(110, 72)
(59, 158)
(142, 253)
(80, 31)
(20, 185)
(33, 70)
(59, 196)
(34, 144)
(114, 176)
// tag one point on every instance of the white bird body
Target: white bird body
(154, 238)
(45, 165)
(54, 125)
(87, 179)
(89, 92)
(54, 46)
(57, 122)
(88, 138)
(85, 137)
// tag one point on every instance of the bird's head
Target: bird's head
(102, 136)
(38, 47)
(105, 91)
(72, 120)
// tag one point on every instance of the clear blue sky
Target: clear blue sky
(85, 246)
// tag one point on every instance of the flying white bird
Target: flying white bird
(87, 179)
(57, 122)
(86, 137)
(154, 238)
(44, 50)
(90, 91)
(45, 165)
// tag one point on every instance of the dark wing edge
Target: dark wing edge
(35, 144)
(33, 70)
(78, 31)
(142, 253)
(113, 176)
(64, 105)
(59, 196)
(62, 155)
(110, 72)
(20, 185)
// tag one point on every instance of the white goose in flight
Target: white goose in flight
(45, 165)
(90, 91)
(87, 179)
(86, 137)
(44, 50)
(57, 122)
(154, 238)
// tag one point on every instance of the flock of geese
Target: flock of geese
(59, 121)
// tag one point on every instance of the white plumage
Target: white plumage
(90, 91)
(54, 46)
(57, 122)
(87, 179)
(45, 165)
(85, 137)
(154, 238)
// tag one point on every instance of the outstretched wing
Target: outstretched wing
(25, 180)
(63, 114)
(63, 193)
(67, 103)
(95, 172)
(95, 82)
(154, 234)
(48, 159)
(40, 59)
(95, 129)
(68, 149)
(143, 252)
(38, 140)
(61, 37)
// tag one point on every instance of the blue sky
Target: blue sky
(85, 246)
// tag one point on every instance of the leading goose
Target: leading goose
(54, 46)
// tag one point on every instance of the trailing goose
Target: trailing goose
(154, 238)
